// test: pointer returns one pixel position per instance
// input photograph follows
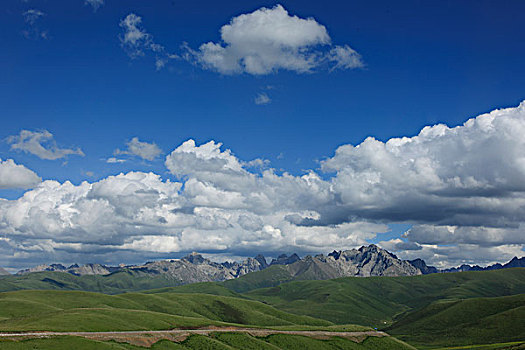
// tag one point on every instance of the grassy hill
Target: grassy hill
(430, 310)
(467, 321)
(272, 276)
(85, 311)
(375, 301)
(118, 282)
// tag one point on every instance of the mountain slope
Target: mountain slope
(464, 322)
(83, 311)
(376, 300)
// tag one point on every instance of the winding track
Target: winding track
(182, 332)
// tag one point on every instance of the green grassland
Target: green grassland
(376, 301)
(429, 311)
(86, 311)
(462, 322)
(118, 282)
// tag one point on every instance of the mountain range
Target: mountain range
(363, 262)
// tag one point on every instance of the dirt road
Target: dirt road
(148, 338)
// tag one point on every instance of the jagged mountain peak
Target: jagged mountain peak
(284, 259)
(195, 258)
(516, 262)
(262, 260)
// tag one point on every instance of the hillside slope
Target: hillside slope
(464, 322)
(84, 311)
(375, 301)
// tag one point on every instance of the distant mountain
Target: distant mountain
(363, 262)
(283, 259)
(422, 266)
(190, 269)
(3, 272)
(515, 262)
(88, 269)
(366, 261)
(195, 268)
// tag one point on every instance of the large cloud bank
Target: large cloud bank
(462, 188)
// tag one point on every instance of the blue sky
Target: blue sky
(68, 72)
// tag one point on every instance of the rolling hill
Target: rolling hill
(65, 311)
(464, 322)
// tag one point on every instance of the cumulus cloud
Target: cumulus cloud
(471, 174)
(14, 175)
(454, 255)
(144, 150)
(137, 42)
(40, 144)
(33, 29)
(144, 215)
(461, 187)
(95, 4)
(270, 39)
(262, 99)
(479, 235)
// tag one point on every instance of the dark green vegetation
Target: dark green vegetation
(428, 311)
(84, 311)
(468, 321)
(372, 301)
(431, 310)
(118, 282)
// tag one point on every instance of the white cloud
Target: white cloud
(344, 57)
(454, 255)
(40, 144)
(262, 99)
(482, 236)
(95, 4)
(113, 160)
(144, 150)
(462, 188)
(467, 175)
(268, 40)
(142, 213)
(137, 42)
(14, 175)
(33, 30)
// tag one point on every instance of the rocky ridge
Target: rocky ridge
(515, 262)
(366, 261)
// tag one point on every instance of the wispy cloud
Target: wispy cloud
(33, 30)
(95, 4)
(144, 150)
(137, 42)
(40, 144)
(262, 98)
(113, 160)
